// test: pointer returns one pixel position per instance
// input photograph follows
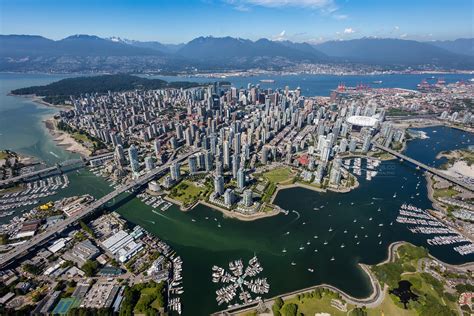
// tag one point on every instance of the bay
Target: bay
(203, 243)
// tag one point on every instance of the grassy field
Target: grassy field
(279, 175)
(311, 306)
(388, 307)
(431, 296)
(150, 300)
(187, 192)
(439, 193)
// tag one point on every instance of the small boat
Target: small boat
(308, 243)
(355, 221)
(342, 246)
(356, 236)
(380, 242)
(380, 234)
(332, 259)
(293, 264)
(219, 225)
(284, 250)
(315, 250)
(330, 229)
(380, 225)
(302, 248)
(315, 236)
(379, 209)
(193, 220)
(370, 218)
(310, 270)
(358, 243)
(395, 195)
(345, 231)
(325, 242)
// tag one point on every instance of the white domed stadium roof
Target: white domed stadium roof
(365, 121)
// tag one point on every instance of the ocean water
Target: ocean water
(202, 243)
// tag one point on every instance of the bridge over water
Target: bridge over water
(68, 163)
(431, 170)
(23, 249)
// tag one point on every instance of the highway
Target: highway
(23, 249)
(66, 163)
(426, 167)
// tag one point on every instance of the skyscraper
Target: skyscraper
(175, 171)
(219, 184)
(149, 163)
(241, 178)
(133, 157)
(192, 164)
(235, 165)
(247, 198)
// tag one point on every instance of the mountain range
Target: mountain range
(88, 53)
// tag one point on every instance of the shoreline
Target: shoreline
(39, 100)
(64, 139)
(374, 299)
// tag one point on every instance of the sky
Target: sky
(178, 21)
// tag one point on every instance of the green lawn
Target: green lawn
(431, 296)
(279, 175)
(151, 299)
(388, 307)
(313, 305)
(438, 193)
(187, 192)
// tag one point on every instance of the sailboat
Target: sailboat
(332, 259)
(330, 229)
(284, 250)
(325, 242)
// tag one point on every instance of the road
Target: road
(426, 167)
(67, 163)
(23, 249)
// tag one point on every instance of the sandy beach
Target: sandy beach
(65, 140)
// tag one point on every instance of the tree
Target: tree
(290, 309)
(90, 267)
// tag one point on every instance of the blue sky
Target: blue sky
(298, 20)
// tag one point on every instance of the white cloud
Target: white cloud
(403, 35)
(280, 36)
(396, 27)
(324, 6)
(340, 16)
(292, 3)
(349, 30)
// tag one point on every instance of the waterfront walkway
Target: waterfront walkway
(434, 171)
(23, 249)
(374, 300)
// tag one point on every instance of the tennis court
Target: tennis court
(64, 305)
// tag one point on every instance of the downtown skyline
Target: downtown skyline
(180, 21)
